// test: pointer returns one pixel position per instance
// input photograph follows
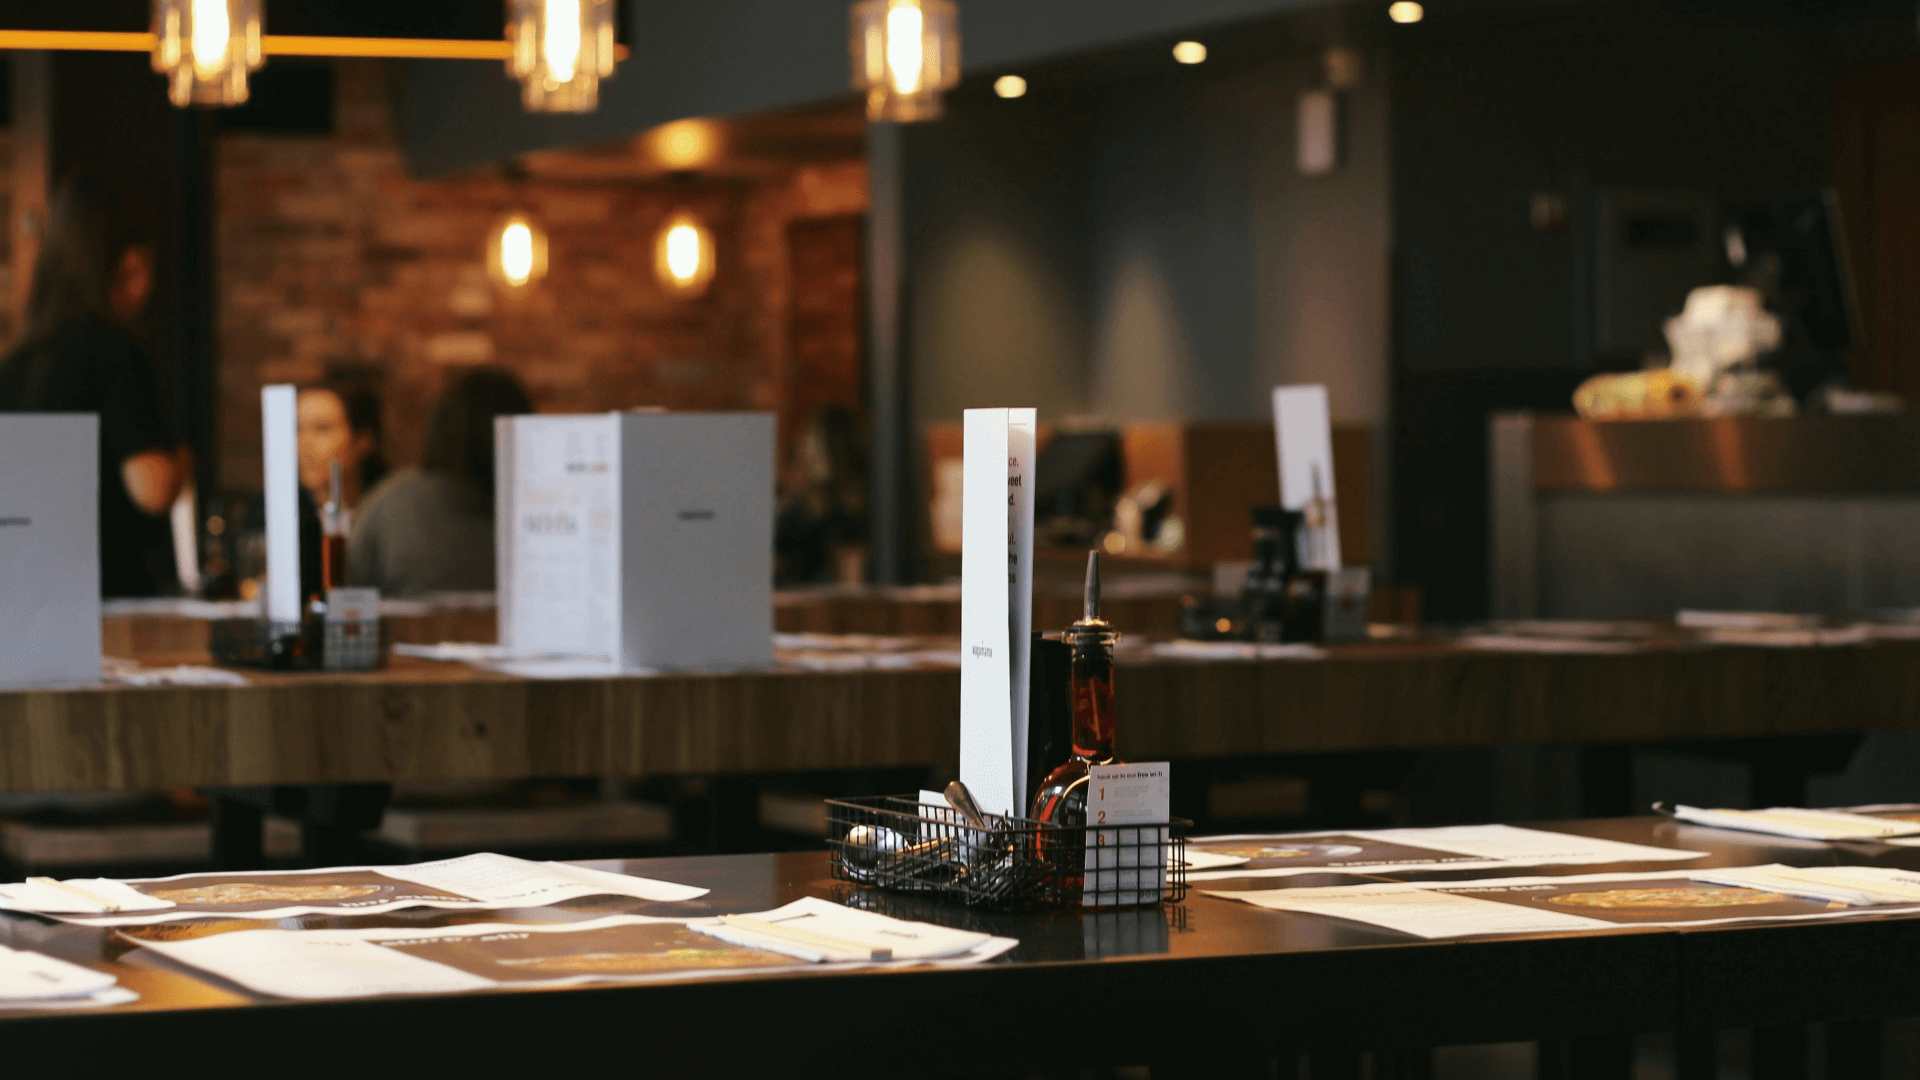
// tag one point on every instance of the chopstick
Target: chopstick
(108, 907)
(806, 937)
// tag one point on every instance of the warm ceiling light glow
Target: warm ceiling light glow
(1010, 86)
(517, 252)
(205, 48)
(905, 53)
(683, 256)
(561, 49)
(685, 144)
(1406, 11)
(1190, 52)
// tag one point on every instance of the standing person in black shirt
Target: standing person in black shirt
(80, 355)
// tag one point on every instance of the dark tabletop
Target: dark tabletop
(1205, 977)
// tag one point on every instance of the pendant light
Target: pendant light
(683, 256)
(517, 252)
(905, 52)
(561, 51)
(205, 48)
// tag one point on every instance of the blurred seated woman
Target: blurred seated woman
(340, 422)
(430, 529)
(820, 533)
(81, 353)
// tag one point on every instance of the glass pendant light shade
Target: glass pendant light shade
(517, 252)
(561, 51)
(205, 48)
(905, 52)
(683, 256)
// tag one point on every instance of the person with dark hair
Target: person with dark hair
(340, 422)
(81, 354)
(430, 529)
(820, 532)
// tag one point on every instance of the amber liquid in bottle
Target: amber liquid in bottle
(1062, 798)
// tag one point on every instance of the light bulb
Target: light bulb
(683, 256)
(211, 31)
(561, 49)
(1406, 11)
(1010, 86)
(904, 55)
(516, 253)
(683, 252)
(1190, 52)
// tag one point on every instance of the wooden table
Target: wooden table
(1210, 987)
(419, 720)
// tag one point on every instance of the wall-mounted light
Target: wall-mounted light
(685, 144)
(561, 51)
(1406, 11)
(683, 256)
(905, 52)
(1190, 52)
(517, 252)
(1010, 86)
(205, 48)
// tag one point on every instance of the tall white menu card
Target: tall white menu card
(49, 549)
(1303, 437)
(996, 605)
(642, 539)
(280, 461)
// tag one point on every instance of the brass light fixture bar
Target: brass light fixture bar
(277, 45)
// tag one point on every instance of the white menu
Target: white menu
(49, 549)
(1303, 437)
(996, 606)
(280, 462)
(642, 539)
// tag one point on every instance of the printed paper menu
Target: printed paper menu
(1462, 847)
(1604, 901)
(471, 882)
(313, 964)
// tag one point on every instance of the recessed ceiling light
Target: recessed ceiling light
(1190, 52)
(1010, 86)
(1406, 11)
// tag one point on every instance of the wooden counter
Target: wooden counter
(425, 721)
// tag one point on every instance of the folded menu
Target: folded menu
(30, 980)
(1804, 824)
(621, 948)
(1460, 847)
(1527, 905)
(469, 882)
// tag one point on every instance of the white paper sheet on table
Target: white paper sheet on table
(28, 975)
(312, 964)
(1460, 847)
(1800, 824)
(1610, 901)
(864, 929)
(1564, 645)
(471, 882)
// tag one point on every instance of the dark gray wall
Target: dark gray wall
(1490, 315)
(723, 57)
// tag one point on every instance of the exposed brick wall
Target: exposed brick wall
(331, 257)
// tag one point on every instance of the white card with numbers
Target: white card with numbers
(1126, 865)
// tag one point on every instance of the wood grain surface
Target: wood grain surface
(425, 721)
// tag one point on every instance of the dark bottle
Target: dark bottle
(1303, 604)
(1062, 798)
(1263, 595)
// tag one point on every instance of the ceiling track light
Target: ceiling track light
(905, 54)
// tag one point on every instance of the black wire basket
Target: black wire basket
(896, 842)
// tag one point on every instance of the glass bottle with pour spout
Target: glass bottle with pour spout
(1062, 798)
